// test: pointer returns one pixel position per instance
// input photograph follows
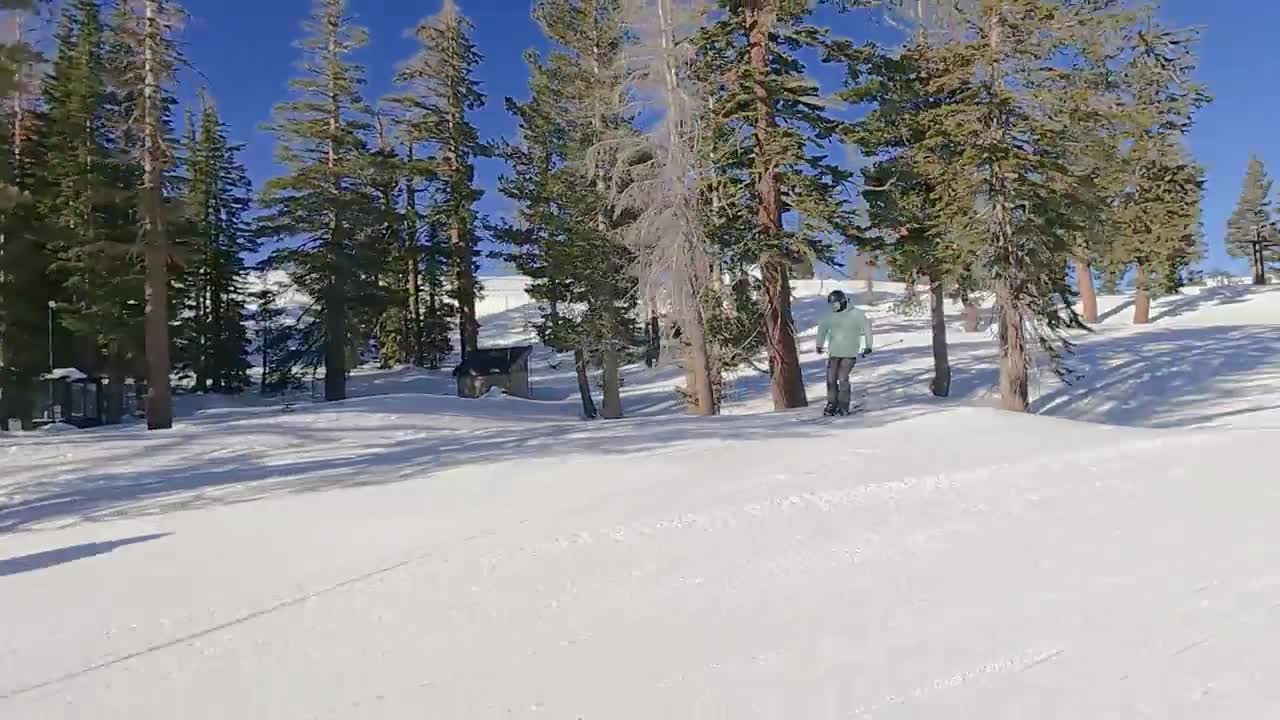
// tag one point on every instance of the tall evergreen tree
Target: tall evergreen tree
(540, 240)
(321, 201)
(88, 188)
(1004, 167)
(146, 61)
(776, 111)
(569, 233)
(439, 92)
(218, 199)
(1157, 212)
(24, 237)
(1252, 219)
(900, 199)
(386, 172)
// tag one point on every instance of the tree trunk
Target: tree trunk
(1014, 385)
(691, 387)
(691, 319)
(612, 381)
(7, 381)
(868, 270)
(584, 384)
(1088, 296)
(787, 386)
(335, 346)
(970, 316)
(414, 301)
(266, 360)
(159, 394)
(1141, 299)
(787, 382)
(202, 325)
(115, 386)
(653, 350)
(701, 388)
(435, 273)
(941, 385)
(468, 325)
(224, 354)
(463, 254)
(19, 99)
(612, 408)
(335, 301)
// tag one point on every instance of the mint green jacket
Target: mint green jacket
(848, 331)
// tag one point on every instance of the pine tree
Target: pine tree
(386, 172)
(436, 309)
(899, 196)
(218, 200)
(569, 234)
(1158, 209)
(776, 112)
(439, 91)
(87, 188)
(539, 239)
(146, 61)
(322, 200)
(1008, 185)
(23, 236)
(1252, 219)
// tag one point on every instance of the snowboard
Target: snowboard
(854, 409)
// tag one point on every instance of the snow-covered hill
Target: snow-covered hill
(408, 555)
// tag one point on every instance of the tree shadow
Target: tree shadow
(1186, 303)
(50, 558)
(1112, 312)
(1171, 377)
(424, 445)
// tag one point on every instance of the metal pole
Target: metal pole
(52, 305)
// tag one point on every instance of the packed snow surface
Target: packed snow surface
(405, 554)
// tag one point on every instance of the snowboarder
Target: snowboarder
(849, 331)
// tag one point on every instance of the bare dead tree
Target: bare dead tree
(659, 176)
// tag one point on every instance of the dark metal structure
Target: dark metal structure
(504, 368)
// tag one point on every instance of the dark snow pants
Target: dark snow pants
(838, 370)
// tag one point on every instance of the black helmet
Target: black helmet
(837, 297)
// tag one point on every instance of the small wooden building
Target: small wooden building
(69, 396)
(81, 400)
(504, 368)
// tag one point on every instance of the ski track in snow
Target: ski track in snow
(831, 500)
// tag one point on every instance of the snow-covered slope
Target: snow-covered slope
(406, 555)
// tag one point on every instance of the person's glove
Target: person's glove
(821, 350)
(866, 352)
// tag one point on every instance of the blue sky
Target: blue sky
(244, 49)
